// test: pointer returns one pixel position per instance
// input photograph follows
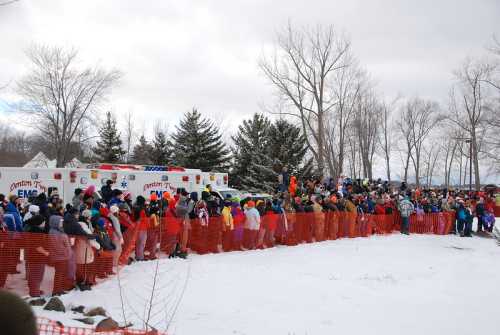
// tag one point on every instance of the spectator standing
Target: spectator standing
(406, 209)
(252, 223)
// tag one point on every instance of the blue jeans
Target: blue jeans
(461, 226)
(405, 224)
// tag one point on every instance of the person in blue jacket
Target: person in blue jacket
(12, 209)
(12, 219)
(461, 217)
(469, 217)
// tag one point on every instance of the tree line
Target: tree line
(350, 127)
(331, 120)
(259, 151)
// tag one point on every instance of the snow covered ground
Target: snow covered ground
(379, 285)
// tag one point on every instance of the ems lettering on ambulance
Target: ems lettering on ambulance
(158, 188)
(27, 188)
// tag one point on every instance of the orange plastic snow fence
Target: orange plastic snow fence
(38, 264)
(49, 327)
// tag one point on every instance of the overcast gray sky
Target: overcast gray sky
(184, 53)
(179, 54)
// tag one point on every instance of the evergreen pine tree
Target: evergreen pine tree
(252, 170)
(142, 152)
(288, 147)
(109, 147)
(161, 153)
(261, 149)
(198, 144)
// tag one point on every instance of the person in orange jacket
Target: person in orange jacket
(154, 226)
(292, 189)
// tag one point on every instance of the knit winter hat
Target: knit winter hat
(104, 211)
(140, 200)
(34, 209)
(87, 213)
(90, 190)
(123, 206)
(251, 204)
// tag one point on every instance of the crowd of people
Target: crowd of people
(99, 231)
(380, 197)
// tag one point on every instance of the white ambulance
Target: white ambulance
(27, 182)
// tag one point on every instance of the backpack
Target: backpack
(406, 208)
(104, 240)
(191, 208)
(203, 216)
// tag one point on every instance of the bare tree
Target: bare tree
(352, 151)
(431, 154)
(366, 125)
(418, 117)
(404, 128)
(129, 135)
(385, 139)
(494, 74)
(15, 146)
(302, 69)
(449, 146)
(348, 85)
(469, 99)
(425, 116)
(62, 97)
(493, 119)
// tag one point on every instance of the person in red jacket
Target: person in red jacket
(140, 216)
(130, 232)
(171, 226)
(379, 207)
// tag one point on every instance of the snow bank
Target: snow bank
(383, 285)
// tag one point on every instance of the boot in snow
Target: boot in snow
(175, 252)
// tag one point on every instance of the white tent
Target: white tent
(42, 161)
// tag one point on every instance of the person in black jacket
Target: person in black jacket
(71, 225)
(480, 212)
(107, 191)
(36, 252)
